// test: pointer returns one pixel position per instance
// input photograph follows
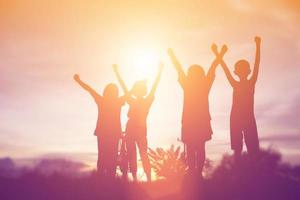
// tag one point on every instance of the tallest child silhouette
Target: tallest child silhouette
(136, 128)
(196, 127)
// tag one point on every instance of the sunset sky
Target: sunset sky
(43, 43)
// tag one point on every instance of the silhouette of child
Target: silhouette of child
(196, 127)
(108, 128)
(242, 119)
(136, 128)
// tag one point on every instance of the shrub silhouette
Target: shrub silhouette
(171, 164)
(167, 163)
(264, 176)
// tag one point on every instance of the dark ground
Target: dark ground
(266, 178)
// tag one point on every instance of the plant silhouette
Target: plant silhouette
(167, 163)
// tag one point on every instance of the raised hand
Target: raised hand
(171, 53)
(76, 77)
(219, 55)
(223, 50)
(86, 87)
(115, 67)
(257, 40)
(214, 49)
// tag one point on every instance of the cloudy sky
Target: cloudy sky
(43, 43)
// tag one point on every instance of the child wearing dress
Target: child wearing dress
(196, 127)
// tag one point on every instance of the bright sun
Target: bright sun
(142, 62)
(146, 62)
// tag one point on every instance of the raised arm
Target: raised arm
(86, 86)
(122, 83)
(211, 72)
(127, 97)
(212, 69)
(257, 60)
(229, 76)
(155, 84)
(176, 64)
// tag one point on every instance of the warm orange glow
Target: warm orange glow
(144, 61)
(139, 57)
(45, 43)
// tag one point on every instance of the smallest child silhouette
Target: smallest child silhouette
(136, 128)
(242, 119)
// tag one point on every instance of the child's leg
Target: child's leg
(251, 137)
(124, 159)
(143, 146)
(191, 154)
(201, 156)
(131, 150)
(237, 155)
(236, 138)
(111, 157)
(100, 164)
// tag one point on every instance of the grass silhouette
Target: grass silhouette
(263, 177)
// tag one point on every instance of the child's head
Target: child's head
(195, 73)
(139, 88)
(111, 91)
(242, 69)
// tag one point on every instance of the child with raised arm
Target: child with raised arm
(136, 128)
(108, 128)
(196, 128)
(242, 119)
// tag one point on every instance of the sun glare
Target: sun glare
(145, 62)
(142, 62)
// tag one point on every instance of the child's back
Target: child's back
(109, 112)
(243, 99)
(196, 116)
(195, 99)
(139, 109)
